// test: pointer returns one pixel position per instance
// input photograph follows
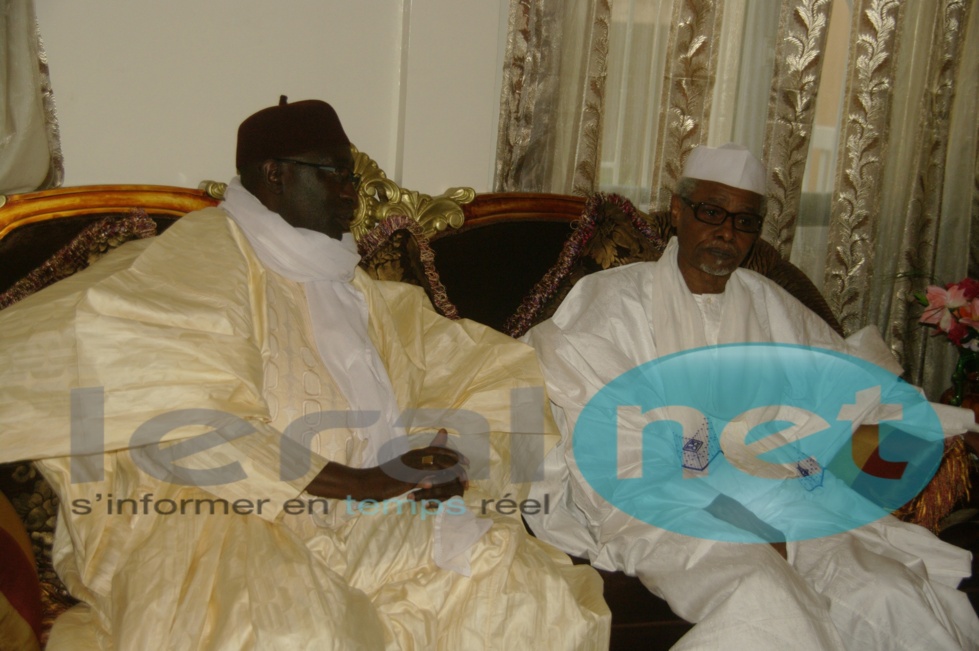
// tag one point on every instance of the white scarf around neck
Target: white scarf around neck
(678, 323)
(338, 310)
(339, 314)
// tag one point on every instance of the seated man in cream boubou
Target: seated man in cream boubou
(279, 373)
(883, 585)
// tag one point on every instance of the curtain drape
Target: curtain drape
(554, 86)
(30, 147)
(873, 206)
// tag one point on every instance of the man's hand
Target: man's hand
(435, 472)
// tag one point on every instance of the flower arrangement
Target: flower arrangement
(953, 311)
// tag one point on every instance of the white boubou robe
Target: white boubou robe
(884, 585)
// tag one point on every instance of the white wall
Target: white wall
(153, 92)
(455, 74)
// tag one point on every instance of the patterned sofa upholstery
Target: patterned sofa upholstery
(506, 260)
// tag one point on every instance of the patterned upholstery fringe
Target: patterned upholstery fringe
(527, 315)
(86, 247)
(381, 235)
(949, 486)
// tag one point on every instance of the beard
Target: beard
(718, 262)
(718, 270)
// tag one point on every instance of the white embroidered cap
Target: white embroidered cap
(730, 164)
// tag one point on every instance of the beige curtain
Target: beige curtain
(30, 148)
(554, 83)
(872, 203)
(901, 209)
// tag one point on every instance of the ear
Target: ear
(675, 207)
(272, 176)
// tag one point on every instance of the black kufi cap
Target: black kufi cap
(288, 130)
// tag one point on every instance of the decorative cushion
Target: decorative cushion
(396, 249)
(610, 233)
(945, 492)
(35, 506)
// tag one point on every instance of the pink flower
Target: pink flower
(954, 312)
(941, 302)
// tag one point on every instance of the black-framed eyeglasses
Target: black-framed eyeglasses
(746, 222)
(342, 175)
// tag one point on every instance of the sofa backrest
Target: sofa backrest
(36, 226)
(503, 259)
(518, 254)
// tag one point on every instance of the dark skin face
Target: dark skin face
(709, 254)
(306, 196)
